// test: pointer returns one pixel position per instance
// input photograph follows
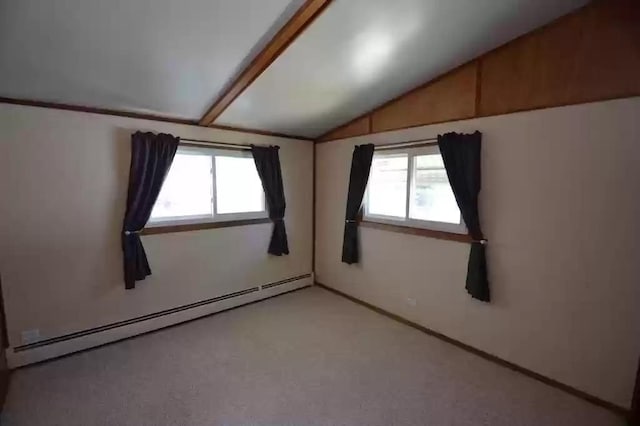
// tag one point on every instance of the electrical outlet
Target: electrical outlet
(30, 336)
(411, 301)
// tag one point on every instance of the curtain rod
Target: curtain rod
(225, 145)
(415, 143)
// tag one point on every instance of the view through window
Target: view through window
(410, 187)
(210, 185)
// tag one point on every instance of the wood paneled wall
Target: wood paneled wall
(587, 56)
(592, 54)
(359, 126)
(451, 97)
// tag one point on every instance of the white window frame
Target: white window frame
(216, 217)
(411, 153)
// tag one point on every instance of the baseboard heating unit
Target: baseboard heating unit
(88, 338)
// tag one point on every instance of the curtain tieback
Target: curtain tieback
(132, 232)
(482, 241)
(350, 221)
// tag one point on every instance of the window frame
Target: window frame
(215, 217)
(407, 221)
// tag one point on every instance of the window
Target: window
(388, 186)
(411, 188)
(209, 185)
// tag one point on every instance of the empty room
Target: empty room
(319, 212)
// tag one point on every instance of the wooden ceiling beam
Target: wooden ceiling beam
(309, 11)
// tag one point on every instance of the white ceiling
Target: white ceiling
(174, 57)
(360, 53)
(169, 57)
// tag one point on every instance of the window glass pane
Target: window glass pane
(187, 189)
(238, 186)
(432, 198)
(387, 194)
(429, 162)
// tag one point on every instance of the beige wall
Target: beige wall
(560, 208)
(63, 184)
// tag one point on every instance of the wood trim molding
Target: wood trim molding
(169, 229)
(307, 13)
(478, 91)
(321, 141)
(141, 116)
(94, 110)
(504, 363)
(421, 232)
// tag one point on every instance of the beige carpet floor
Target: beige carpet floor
(304, 358)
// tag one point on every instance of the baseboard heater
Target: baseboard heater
(277, 283)
(154, 315)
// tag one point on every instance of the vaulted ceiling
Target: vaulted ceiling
(179, 58)
(170, 57)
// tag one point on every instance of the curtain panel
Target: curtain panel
(358, 178)
(267, 162)
(461, 156)
(151, 158)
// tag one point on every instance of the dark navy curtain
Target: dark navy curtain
(268, 164)
(151, 158)
(358, 178)
(461, 156)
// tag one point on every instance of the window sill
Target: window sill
(430, 233)
(168, 229)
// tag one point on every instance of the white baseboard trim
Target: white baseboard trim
(18, 356)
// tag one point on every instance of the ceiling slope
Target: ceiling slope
(287, 34)
(162, 57)
(360, 53)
